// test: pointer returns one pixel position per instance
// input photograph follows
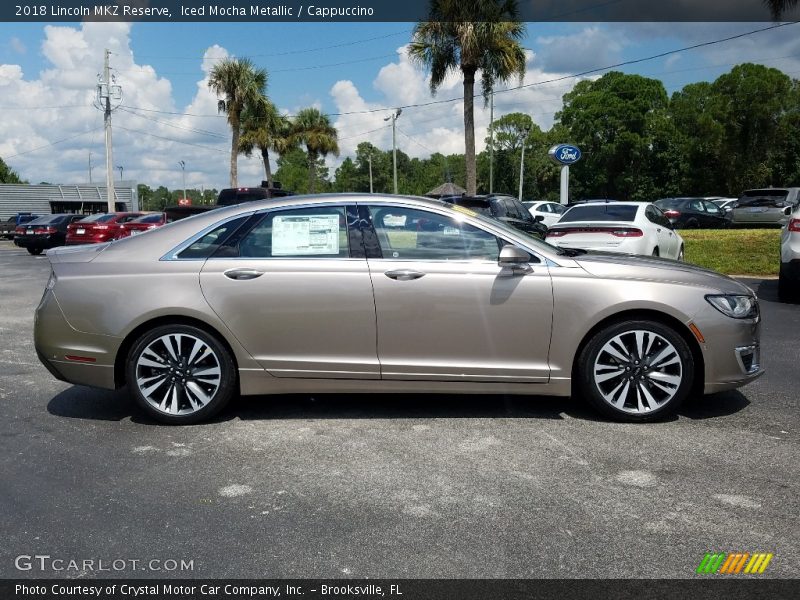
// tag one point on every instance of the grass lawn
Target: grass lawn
(734, 251)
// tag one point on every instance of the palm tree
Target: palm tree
(241, 84)
(263, 127)
(452, 39)
(314, 130)
(778, 7)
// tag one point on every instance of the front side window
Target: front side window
(319, 232)
(413, 234)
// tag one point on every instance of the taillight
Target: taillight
(672, 214)
(794, 225)
(20, 230)
(100, 227)
(45, 231)
(627, 232)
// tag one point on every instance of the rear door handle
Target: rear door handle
(404, 274)
(242, 274)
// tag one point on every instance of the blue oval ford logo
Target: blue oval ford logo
(565, 154)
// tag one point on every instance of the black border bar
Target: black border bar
(710, 587)
(382, 10)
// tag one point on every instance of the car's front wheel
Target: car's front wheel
(635, 370)
(180, 374)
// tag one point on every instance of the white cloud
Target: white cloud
(17, 45)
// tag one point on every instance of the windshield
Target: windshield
(600, 212)
(763, 198)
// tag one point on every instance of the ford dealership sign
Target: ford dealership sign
(565, 154)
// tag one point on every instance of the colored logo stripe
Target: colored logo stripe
(734, 562)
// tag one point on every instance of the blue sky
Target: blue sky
(360, 67)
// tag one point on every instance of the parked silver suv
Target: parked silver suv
(764, 206)
(789, 279)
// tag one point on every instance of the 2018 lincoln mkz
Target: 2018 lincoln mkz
(367, 293)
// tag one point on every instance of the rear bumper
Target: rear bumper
(38, 241)
(67, 353)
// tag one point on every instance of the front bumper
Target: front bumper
(731, 351)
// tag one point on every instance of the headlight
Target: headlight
(734, 305)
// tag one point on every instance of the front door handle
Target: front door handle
(242, 274)
(404, 274)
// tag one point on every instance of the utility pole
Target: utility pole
(522, 161)
(121, 169)
(90, 167)
(491, 141)
(105, 92)
(183, 170)
(394, 118)
(369, 158)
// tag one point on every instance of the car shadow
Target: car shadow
(78, 402)
(722, 404)
(767, 289)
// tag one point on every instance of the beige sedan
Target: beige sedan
(366, 294)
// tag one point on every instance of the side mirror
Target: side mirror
(787, 211)
(511, 256)
(538, 218)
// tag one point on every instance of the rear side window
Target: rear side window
(149, 219)
(601, 212)
(295, 233)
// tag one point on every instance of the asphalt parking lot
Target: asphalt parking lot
(393, 486)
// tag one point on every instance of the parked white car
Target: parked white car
(622, 227)
(789, 277)
(549, 211)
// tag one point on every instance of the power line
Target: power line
(285, 53)
(160, 137)
(190, 129)
(66, 139)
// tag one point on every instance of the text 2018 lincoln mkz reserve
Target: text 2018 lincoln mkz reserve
(365, 293)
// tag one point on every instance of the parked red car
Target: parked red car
(103, 227)
(144, 223)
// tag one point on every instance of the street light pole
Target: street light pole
(369, 158)
(522, 161)
(183, 170)
(121, 169)
(394, 116)
(491, 142)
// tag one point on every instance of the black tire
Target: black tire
(632, 409)
(692, 224)
(34, 251)
(181, 407)
(788, 290)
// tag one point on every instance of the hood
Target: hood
(76, 254)
(645, 268)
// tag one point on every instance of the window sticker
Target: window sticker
(305, 235)
(451, 231)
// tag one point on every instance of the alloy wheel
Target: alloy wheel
(638, 371)
(178, 373)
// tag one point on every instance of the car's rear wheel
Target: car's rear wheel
(34, 251)
(692, 224)
(180, 374)
(636, 371)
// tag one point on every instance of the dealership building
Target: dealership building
(43, 199)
